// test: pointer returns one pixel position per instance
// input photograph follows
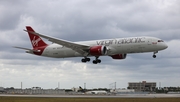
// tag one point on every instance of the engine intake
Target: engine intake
(98, 50)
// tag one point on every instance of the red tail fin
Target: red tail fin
(36, 41)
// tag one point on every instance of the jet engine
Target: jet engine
(119, 56)
(98, 50)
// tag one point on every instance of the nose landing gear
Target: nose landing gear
(154, 54)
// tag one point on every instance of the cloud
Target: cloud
(88, 20)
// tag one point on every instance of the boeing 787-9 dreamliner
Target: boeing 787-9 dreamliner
(117, 48)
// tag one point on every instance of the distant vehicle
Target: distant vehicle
(117, 48)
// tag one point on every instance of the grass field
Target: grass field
(31, 99)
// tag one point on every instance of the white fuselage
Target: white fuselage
(115, 46)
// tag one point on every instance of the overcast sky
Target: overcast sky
(78, 20)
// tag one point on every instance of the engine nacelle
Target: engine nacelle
(119, 56)
(98, 50)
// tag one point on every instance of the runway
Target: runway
(101, 96)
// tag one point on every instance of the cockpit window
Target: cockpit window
(160, 41)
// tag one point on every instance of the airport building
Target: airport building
(142, 86)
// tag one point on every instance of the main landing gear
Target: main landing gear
(96, 60)
(154, 54)
(85, 59)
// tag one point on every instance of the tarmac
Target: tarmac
(100, 96)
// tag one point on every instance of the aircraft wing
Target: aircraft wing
(80, 48)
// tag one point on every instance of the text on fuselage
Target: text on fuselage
(121, 41)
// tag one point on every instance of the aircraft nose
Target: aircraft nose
(165, 46)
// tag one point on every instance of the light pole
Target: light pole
(84, 85)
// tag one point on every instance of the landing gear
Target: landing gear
(96, 60)
(154, 55)
(85, 60)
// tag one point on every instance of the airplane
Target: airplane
(99, 92)
(117, 48)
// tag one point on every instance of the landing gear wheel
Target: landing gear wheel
(94, 62)
(154, 56)
(85, 59)
(99, 61)
(88, 59)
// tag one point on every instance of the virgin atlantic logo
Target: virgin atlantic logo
(35, 41)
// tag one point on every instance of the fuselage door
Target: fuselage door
(149, 41)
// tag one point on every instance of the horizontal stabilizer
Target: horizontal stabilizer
(26, 49)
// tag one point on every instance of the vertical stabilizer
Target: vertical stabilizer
(36, 41)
